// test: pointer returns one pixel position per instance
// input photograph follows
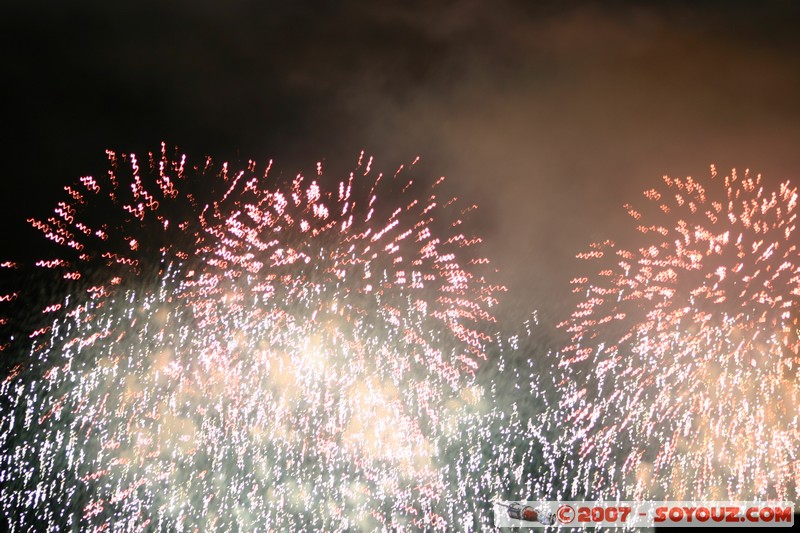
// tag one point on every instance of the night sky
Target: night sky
(549, 115)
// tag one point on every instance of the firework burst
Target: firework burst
(681, 380)
(238, 352)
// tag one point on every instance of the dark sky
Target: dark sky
(550, 115)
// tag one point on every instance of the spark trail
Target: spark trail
(682, 377)
(235, 351)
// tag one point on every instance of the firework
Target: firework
(681, 380)
(237, 351)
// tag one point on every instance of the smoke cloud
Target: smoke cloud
(550, 116)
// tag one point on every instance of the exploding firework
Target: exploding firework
(236, 351)
(681, 380)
